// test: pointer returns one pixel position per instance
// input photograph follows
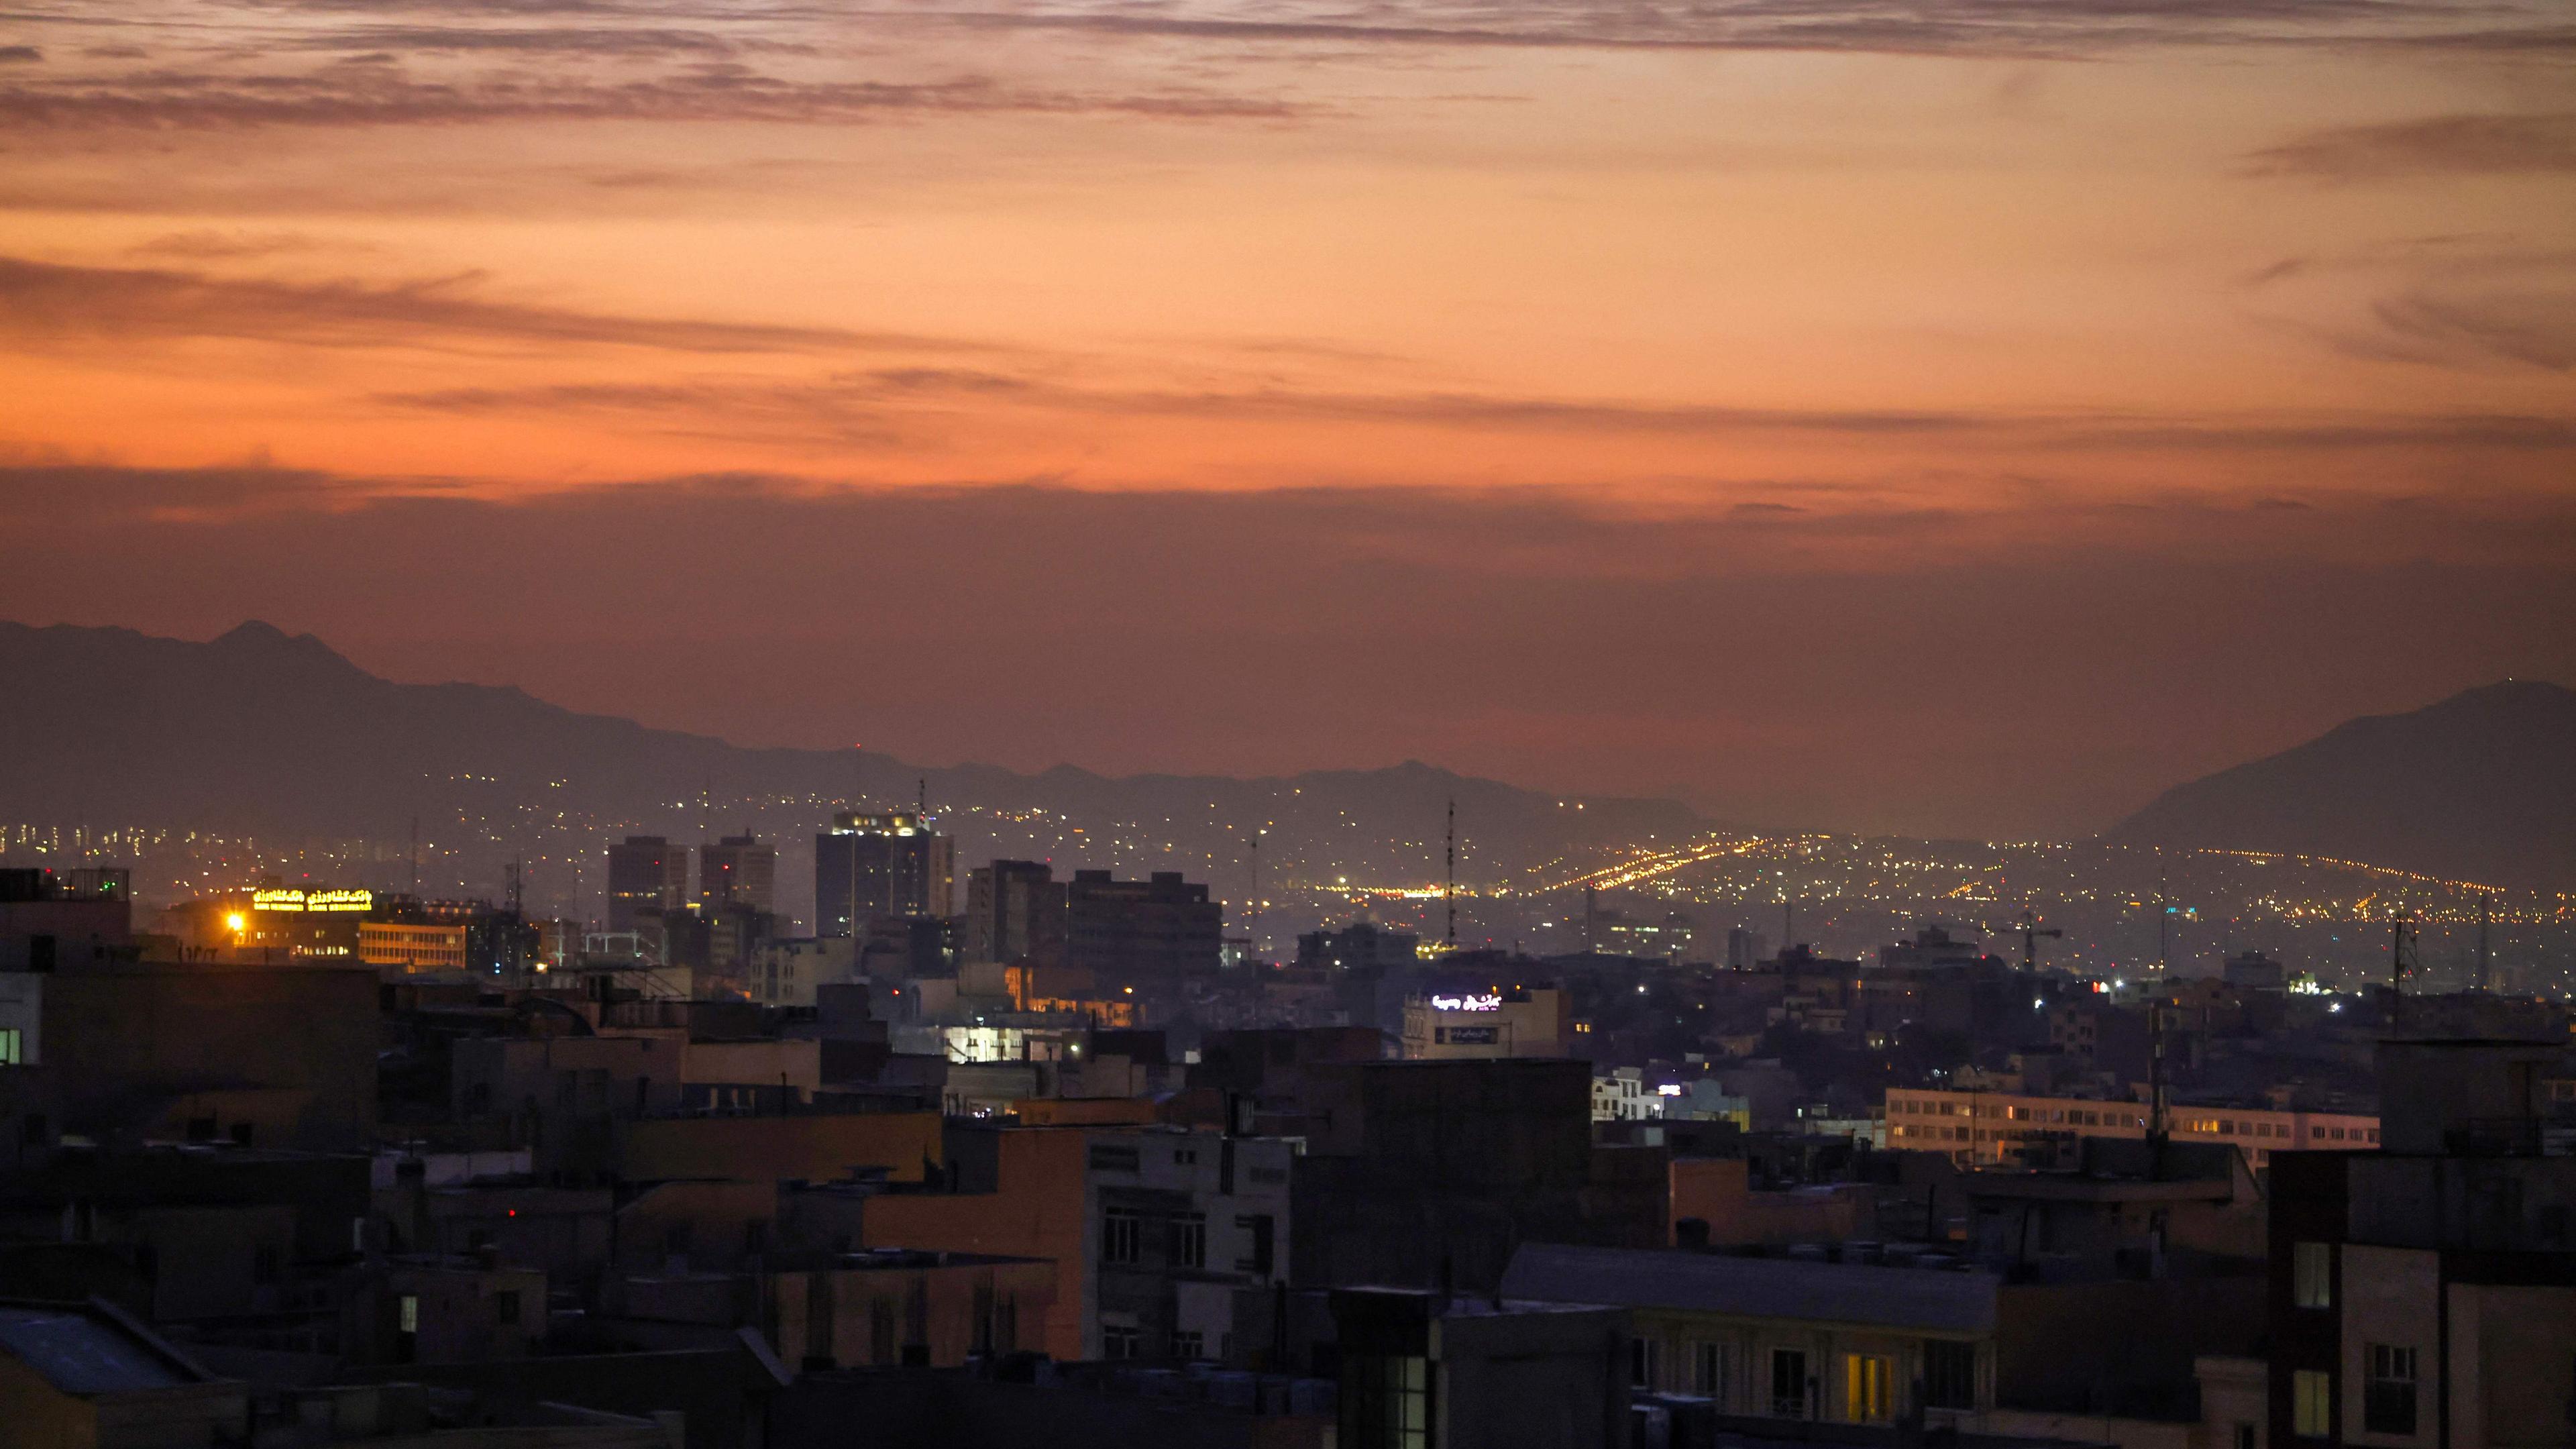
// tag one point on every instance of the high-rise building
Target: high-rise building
(1130, 930)
(738, 870)
(1014, 912)
(889, 864)
(646, 873)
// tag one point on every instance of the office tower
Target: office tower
(738, 870)
(645, 874)
(1130, 930)
(1014, 912)
(888, 864)
(1745, 949)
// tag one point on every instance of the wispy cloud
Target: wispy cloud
(2465, 145)
(376, 95)
(44, 300)
(871, 402)
(1911, 27)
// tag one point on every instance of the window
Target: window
(407, 1314)
(1645, 1362)
(1259, 1242)
(1789, 1383)
(1113, 1157)
(1386, 1403)
(1869, 1390)
(2312, 1275)
(1185, 1156)
(1189, 1240)
(2388, 1394)
(9, 1046)
(1122, 1236)
(1708, 1371)
(1188, 1347)
(2311, 1403)
(505, 1307)
(1949, 1374)
(2245, 1437)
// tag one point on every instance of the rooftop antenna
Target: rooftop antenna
(415, 857)
(2401, 940)
(921, 799)
(1449, 892)
(2156, 1123)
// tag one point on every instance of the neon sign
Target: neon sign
(1486, 1002)
(297, 900)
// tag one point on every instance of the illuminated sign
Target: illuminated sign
(296, 900)
(1487, 1002)
(1668, 1090)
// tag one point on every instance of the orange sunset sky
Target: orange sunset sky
(1950, 417)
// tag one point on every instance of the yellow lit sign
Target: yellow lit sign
(298, 900)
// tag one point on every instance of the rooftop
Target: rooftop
(91, 1349)
(1940, 1300)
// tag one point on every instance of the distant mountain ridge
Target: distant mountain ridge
(2479, 787)
(263, 733)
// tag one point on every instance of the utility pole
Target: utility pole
(1449, 892)
(415, 857)
(1255, 927)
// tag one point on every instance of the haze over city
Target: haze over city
(1946, 420)
(1179, 724)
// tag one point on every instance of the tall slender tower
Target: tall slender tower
(2486, 915)
(1449, 891)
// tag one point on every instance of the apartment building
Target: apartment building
(1166, 1242)
(2425, 1294)
(1987, 1129)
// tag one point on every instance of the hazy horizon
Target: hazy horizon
(1923, 419)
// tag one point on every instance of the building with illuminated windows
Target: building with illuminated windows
(738, 870)
(2423, 1290)
(413, 947)
(875, 866)
(645, 873)
(1987, 1129)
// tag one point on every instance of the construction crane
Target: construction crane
(2030, 930)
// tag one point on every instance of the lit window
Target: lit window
(2311, 1403)
(2312, 1275)
(1868, 1388)
(1386, 1403)
(9, 1046)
